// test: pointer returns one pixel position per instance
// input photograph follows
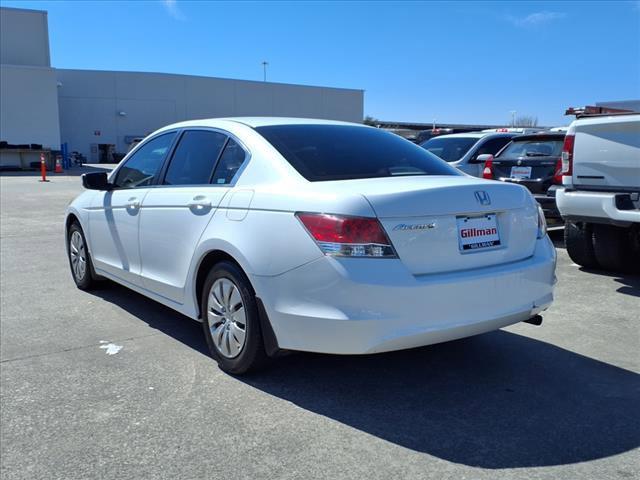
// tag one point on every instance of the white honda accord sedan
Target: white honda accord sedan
(321, 236)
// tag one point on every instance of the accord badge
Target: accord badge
(416, 226)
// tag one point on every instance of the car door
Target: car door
(174, 215)
(114, 215)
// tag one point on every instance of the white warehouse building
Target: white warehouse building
(97, 111)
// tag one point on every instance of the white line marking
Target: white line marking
(111, 348)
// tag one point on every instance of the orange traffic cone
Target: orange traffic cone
(58, 166)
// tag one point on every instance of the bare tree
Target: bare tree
(369, 120)
(526, 121)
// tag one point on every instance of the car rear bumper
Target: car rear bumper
(597, 207)
(359, 306)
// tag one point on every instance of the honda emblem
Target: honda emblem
(483, 197)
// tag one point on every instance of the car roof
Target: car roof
(541, 136)
(476, 135)
(257, 122)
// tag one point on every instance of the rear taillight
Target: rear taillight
(567, 155)
(542, 223)
(487, 171)
(347, 236)
(557, 175)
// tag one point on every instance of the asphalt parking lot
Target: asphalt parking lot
(560, 401)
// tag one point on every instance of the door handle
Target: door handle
(199, 202)
(133, 203)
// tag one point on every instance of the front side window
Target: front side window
(229, 164)
(450, 149)
(143, 167)
(344, 152)
(194, 158)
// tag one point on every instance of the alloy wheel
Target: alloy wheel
(78, 254)
(226, 317)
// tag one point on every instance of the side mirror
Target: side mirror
(96, 181)
(485, 157)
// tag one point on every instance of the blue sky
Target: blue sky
(453, 62)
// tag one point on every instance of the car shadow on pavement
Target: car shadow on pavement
(157, 316)
(498, 400)
(630, 285)
(630, 282)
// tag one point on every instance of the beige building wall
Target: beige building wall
(86, 108)
(28, 94)
(101, 107)
(24, 37)
(29, 106)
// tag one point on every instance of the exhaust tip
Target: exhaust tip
(535, 320)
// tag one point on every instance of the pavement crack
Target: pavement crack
(72, 349)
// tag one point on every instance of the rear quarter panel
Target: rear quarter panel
(607, 151)
(270, 240)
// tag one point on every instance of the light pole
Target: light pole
(264, 70)
(513, 118)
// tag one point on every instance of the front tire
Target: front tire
(79, 258)
(230, 320)
(579, 244)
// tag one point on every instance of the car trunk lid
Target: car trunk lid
(451, 223)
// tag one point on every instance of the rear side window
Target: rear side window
(230, 162)
(343, 152)
(143, 167)
(194, 158)
(450, 149)
(493, 146)
(531, 148)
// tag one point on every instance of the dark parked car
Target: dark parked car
(533, 161)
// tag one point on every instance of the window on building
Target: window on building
(194, 158)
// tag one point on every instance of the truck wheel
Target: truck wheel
(612, 247)
(578, 241)
(634, 238)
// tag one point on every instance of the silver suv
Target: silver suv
(461, 150)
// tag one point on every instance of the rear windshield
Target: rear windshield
(450, 149)
(344, 152)
(549, 147)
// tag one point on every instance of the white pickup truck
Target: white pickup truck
(600, 198)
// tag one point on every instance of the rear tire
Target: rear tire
(579, 244)
(230, 320)
(80, 259)
(613, 248)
